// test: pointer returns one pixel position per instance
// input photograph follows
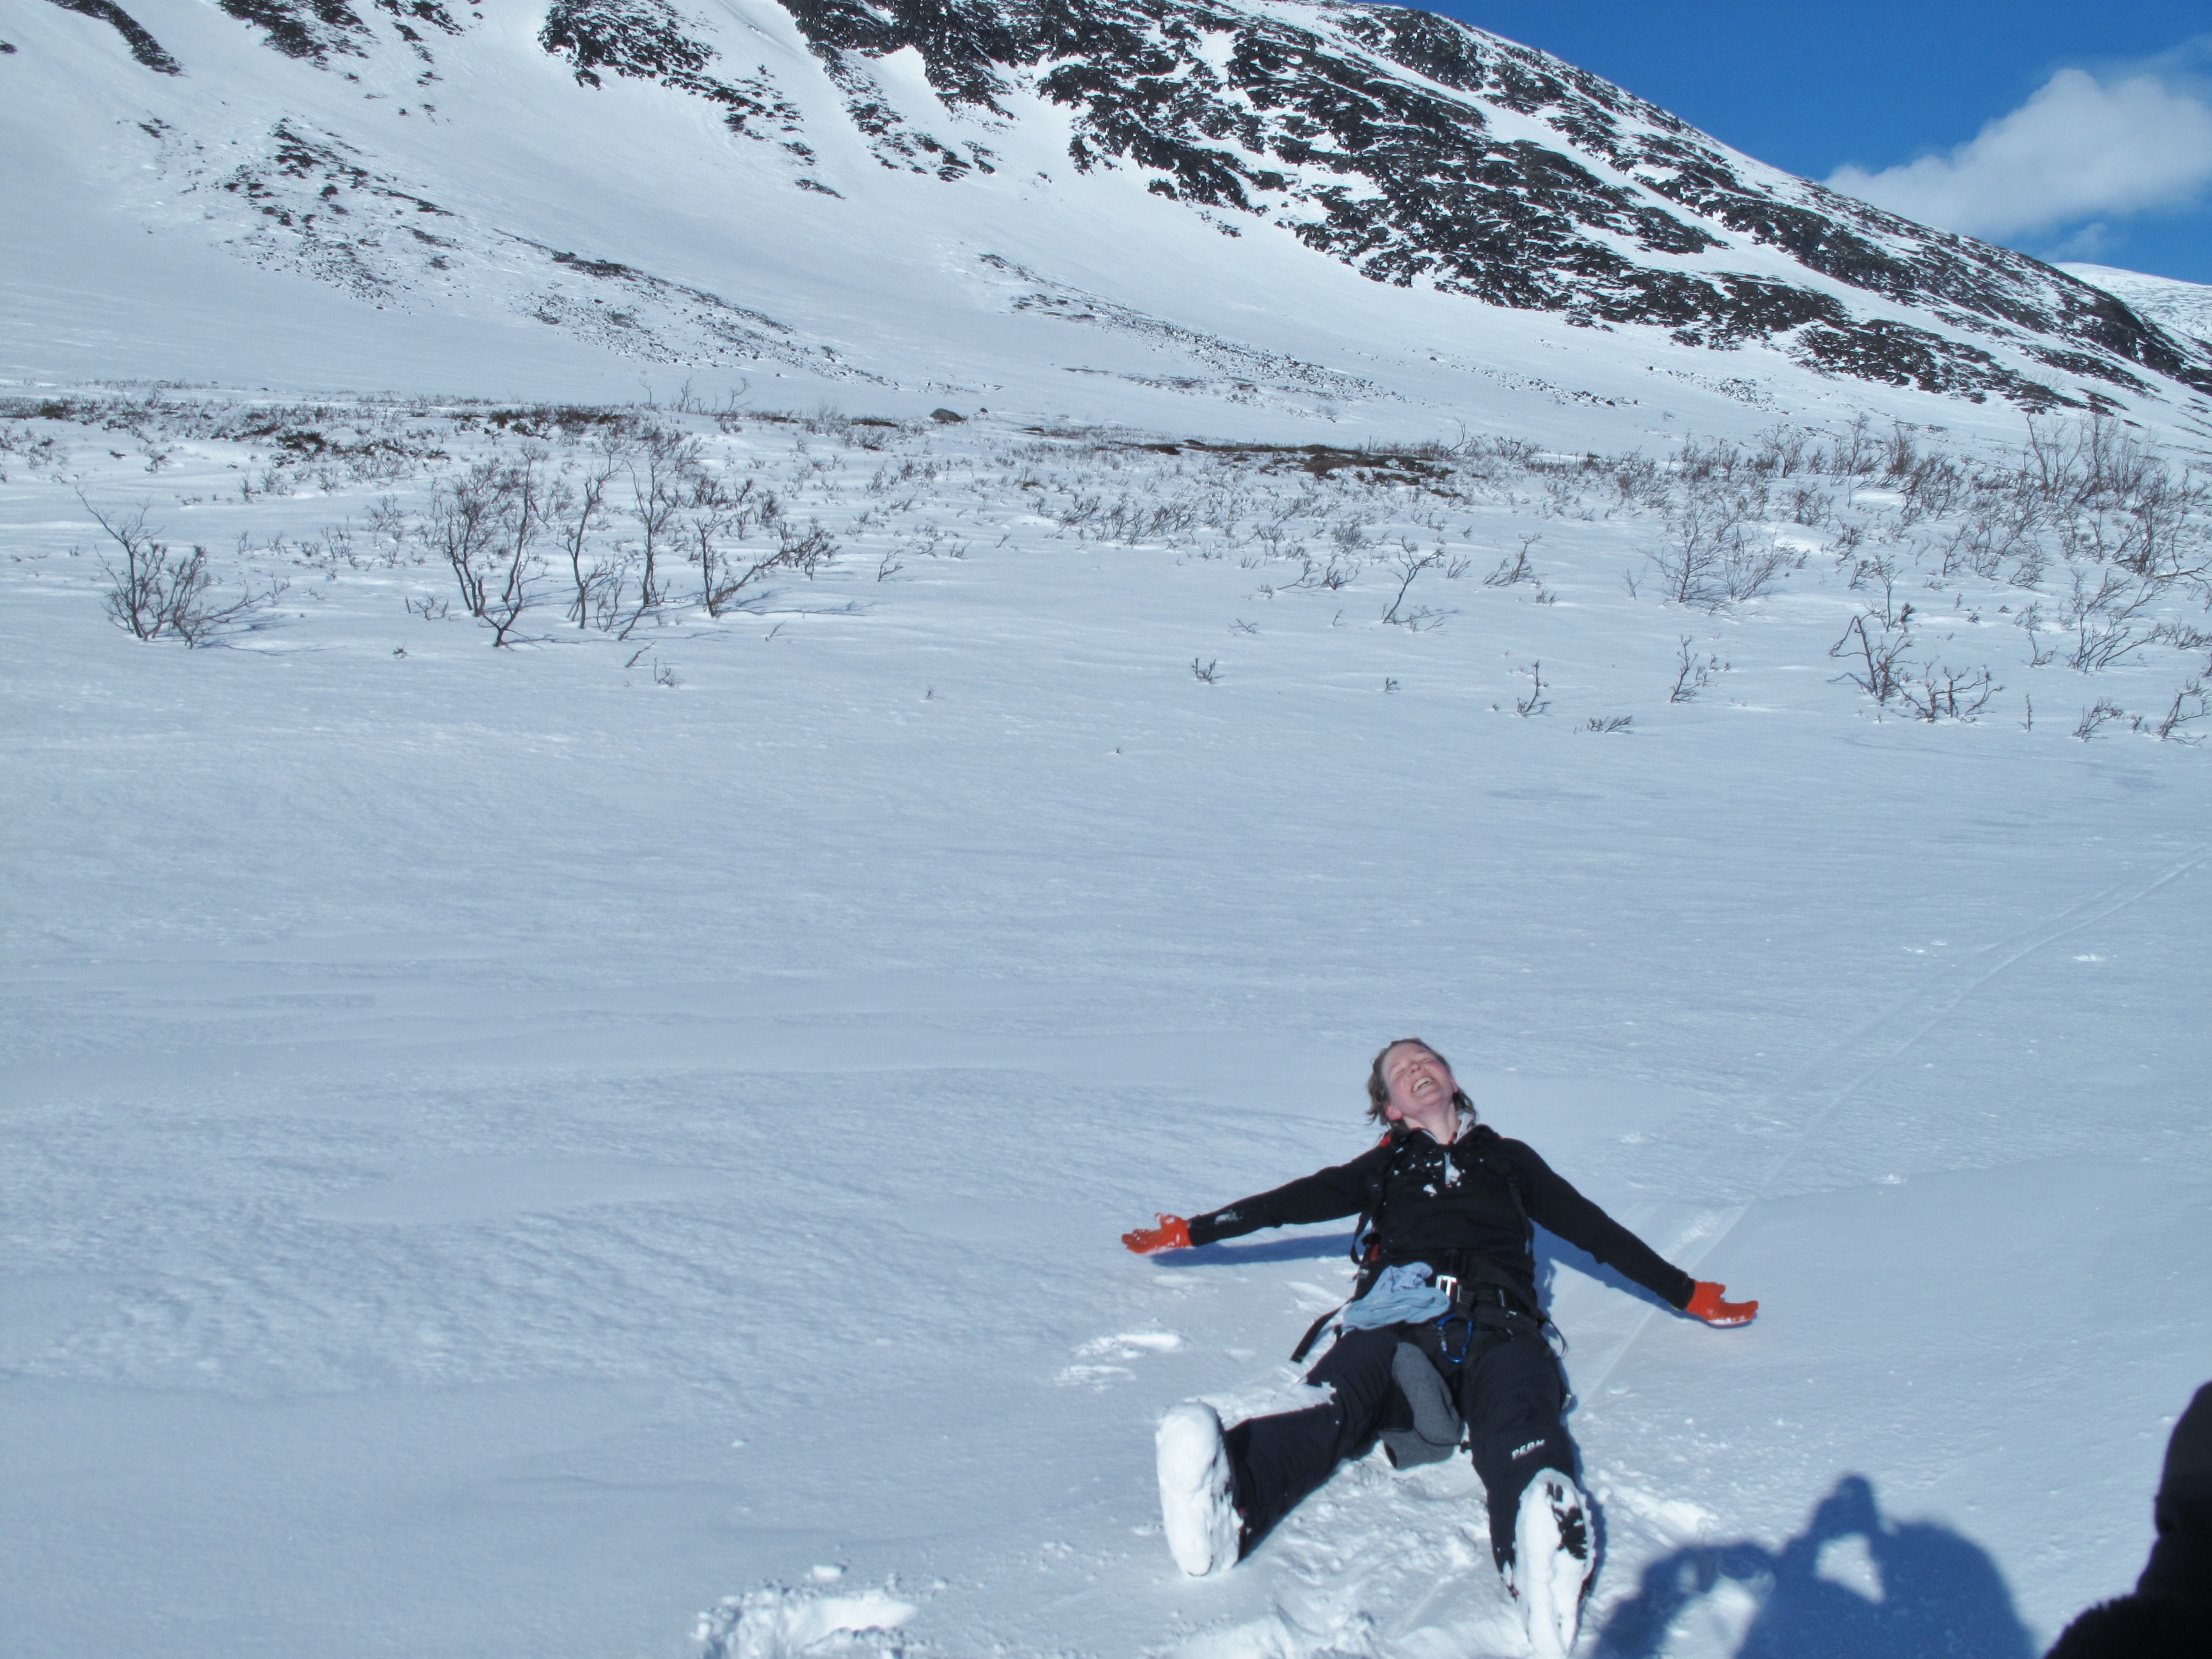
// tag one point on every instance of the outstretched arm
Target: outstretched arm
(1553, 1200)
(1325, 1195)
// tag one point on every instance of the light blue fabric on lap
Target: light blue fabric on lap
(1401, 1296)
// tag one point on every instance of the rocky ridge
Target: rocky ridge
(1417, 151)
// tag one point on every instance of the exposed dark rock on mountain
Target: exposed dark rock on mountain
(144, 46)
(304, 28)
(963, 47)
(2182, 309)
(1417, 151)
(1377, 117)
(646, 39)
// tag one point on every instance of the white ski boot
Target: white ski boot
(1551, 1565)
(1196, 1500)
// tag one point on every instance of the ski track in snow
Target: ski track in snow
(2082, 914)
(2071, 920)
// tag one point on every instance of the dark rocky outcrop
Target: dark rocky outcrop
(1416, 150)
(144, 46)
(1368, 135)
(647, 39)
(312, 29)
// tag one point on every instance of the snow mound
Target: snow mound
(781, 1624)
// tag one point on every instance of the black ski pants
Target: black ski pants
(1509, 1390)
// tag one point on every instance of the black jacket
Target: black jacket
(1472, 1199)
(2169, 1615)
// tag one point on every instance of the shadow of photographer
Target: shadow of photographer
(1935, 1593)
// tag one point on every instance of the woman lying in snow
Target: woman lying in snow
(1445, 1331)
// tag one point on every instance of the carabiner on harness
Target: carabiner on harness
(1466, 1318)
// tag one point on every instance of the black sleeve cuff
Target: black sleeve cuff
(1246, 1215)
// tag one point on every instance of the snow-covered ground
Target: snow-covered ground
(2181, 307)
(510, 1148)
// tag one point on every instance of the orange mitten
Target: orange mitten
(1705, 1304)
(1172, 1234)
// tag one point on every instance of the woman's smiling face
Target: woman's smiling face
(1421, 1089)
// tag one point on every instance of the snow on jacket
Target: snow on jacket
(1428, 1202)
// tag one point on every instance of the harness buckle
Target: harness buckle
(1449, 1284)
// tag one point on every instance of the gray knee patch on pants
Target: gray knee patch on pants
(1435, 1435)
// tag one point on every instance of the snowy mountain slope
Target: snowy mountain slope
(509, 1148)
(1320, 212)
(2181, 309)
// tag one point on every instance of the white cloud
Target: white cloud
(2080, 147)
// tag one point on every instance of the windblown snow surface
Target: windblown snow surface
(509, 1149)
(613, 1147)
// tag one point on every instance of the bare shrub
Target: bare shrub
(1810, 505)
(1690, 567)
(485, 525)
(1329, 576)
(714, 516)
(1781, 450)
(1900, 453)
(39, 454)
(2182, 636)
(1637, 482)
(2098, 716)
(1881, 571)
(1980, 545)
(581, 509)
(155, 593)
(804, 550)
(1931, 486)
(1078, 509)
(663, 467)
(1943, 693)
(1409, 564)
(2191, 703)
(1878, 656)
(1134, 520)
(2113, 500)
(2106, 618)
(1691, 676)
(1747, 571)
(1853, 456)
(1516, 569)
(1535, 702)
(727, 578)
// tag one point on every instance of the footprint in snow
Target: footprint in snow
(1129, 1345)
(778, 1623)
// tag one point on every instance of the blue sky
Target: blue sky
(2069, 131)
